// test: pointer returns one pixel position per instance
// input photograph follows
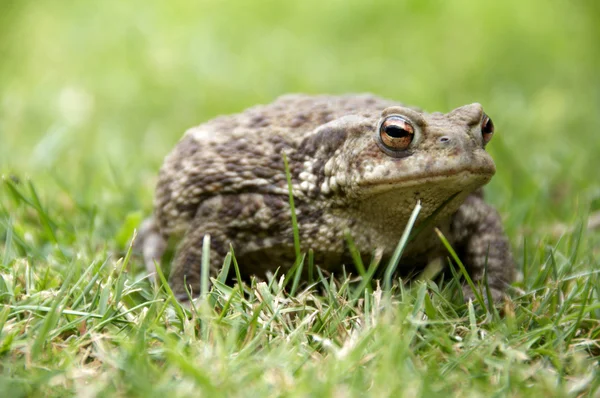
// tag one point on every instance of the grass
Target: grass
(99, 328)
(92, 99)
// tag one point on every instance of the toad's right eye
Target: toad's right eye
(487, 129)
(396, 133)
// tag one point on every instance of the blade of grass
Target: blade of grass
(295, 229)
(44, 308)
(4, 313)
(525, 261)
(428, 222)
(170, 294)
(221, 279)
(366, 280)
(20, 244)
(236, 267)
(116, 316)
(393, 263)
(462, 268)
(490, 301)
(205, 266)
(292, 273)
(90, 284)
(297, 275)
(224, 273)
(51, 319)
(576, 236)
(120, 276)
(16, 194)
(356, 258)
(472, 320)
(418, 306)
(311, 266)
(47, 223)
(576, 325)
(8, 256)
(542, 277)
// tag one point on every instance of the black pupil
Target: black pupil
(488, 126)
(396, 132)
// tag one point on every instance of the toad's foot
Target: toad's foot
(151, 244)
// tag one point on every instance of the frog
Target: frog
(357, 164)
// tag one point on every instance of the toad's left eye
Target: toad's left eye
(487, 129)
(396, 133)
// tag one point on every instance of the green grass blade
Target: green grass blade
(462, 268)
(297, 272)
(238, 274)
(356, 258)
(8, 256)
(204, 271)
(393, 263)
(224, 273)
(51, 319)
(295, 229)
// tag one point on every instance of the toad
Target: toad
(358, 163)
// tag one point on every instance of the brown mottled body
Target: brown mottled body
(359, 163)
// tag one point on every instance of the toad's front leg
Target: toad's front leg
(479, 239)
(249, 221)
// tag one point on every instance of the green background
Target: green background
(96, 94)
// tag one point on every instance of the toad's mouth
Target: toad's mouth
(457, 180)
(442, 194)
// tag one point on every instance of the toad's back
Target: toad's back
(244, 152)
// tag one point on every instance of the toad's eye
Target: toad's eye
(487, 129)
(396, 133)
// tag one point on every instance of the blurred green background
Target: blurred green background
(93, 95)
